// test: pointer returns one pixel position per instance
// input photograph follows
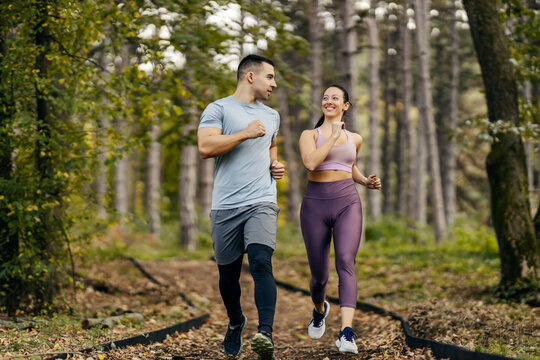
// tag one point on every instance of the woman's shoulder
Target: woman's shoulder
(357, 138)
(309, 132)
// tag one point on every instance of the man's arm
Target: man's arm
(211, 142)
(277, 168)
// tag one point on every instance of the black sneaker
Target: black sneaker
(263, 345)
(233, 338)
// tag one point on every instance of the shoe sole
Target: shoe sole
(232, 356)
(317, 336)
(263, 347)
(344, 350)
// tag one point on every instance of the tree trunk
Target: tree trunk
(426, 109)
(44, 155)
(121, 201)
(289, 153)
(9, 241)
(407, 155)
(315, 44)
(101, 135)
(206, 183)
(519, 247)
(101, 178)
(529, 149)
(153, 168)
(374, 158)
(349, 42)
(121, 179)
(449, 163)
(420, 162)
(387, 152)
(187, 191)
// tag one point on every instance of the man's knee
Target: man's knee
(260, 258)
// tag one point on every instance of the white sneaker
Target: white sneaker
(345, 341)
(316, 326)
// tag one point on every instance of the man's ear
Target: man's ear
(250, 77)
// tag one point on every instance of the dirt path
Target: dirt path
(378, 337)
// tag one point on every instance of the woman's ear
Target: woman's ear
(346, 106)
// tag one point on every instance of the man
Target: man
(240, 132)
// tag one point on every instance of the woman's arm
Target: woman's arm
(310, 154)
(372, 181)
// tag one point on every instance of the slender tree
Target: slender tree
(426, 110)
(349, 42)
(206, 183)
(449, 164)
(374, 158)
(121, 170)
(315, 44)
(294, 198)
(153, 167)
(9, 242)
(407, 198)
(187, 188)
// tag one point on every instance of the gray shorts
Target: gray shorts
(234, 229)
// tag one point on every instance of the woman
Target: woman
(331, 205)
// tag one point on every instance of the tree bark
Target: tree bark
(9, 240)
(101, 178)
(449, 163)
(406, 178)
(154, 181)
(206, 183)
(187, 191)
(426, 109)
(420, 162)
(387, 152)
(529, 149)
(374, 158)
(519, 247)
(294, 198)
(44, 155)
(121, 201)
(349, 42)
(315, 44)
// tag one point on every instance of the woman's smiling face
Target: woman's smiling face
(333, 102)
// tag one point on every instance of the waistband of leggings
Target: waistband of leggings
(330, 189)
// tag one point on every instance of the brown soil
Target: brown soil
(379, 337)
(181, 290)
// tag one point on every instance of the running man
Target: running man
(240, 133)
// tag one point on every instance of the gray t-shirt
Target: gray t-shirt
(242, 176)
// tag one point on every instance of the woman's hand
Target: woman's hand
(336, 129)
(373, 182)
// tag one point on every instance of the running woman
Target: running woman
(240, 133)
(331, 208)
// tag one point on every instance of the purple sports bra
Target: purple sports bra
(340, 157)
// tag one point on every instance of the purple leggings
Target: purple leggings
(332, 207)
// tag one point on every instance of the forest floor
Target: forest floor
(189, 288)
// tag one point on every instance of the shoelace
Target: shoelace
(348, 334)
(317, 318)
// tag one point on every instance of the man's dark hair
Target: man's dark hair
(251, 63)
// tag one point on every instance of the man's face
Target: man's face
(264, 82)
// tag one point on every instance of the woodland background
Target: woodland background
(100, 101)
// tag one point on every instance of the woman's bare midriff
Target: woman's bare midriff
(328, 175)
